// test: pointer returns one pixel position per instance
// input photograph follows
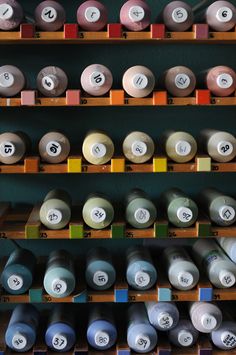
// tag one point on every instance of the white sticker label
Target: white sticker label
(54, 216)
(185, 279)
(102, 339)
(98, 215)
(136, 13)
(97, 78)
(6, 80)
(208, 322)
(227, 213)
(183, 148)
(53, 149)
(182, 81)
(92, 14)
(165, 321)
(227, 278)
(7, 149)
(225, 148)
(59, 342)
(224, 14)
(142, 342)
(140, 81)
(49, 82)
(98, 150)
(59, 286)
(224, 81)
(179, 15)
(185, 338)
(184, 214)
(15, 282)
(228, 339)
(100, 278)
(6, 11)
(142, 279)
(19, 342)
(49, 14)
(139, 148)
(142, 215)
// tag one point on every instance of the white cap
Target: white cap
(225, 148)
(185, 338)
(136, 13)
(49, 14)
(182, 81)
(98, 215)
(208, 322)
(19, 341)
(165, 320)
(224, 80)
(184, 214)
(227, 278)
(97, 79)
(6, 80)
(7, 149)
(183, 148)
(50, 82)
(59, 341)
(15, 282)
(54, 216)
(185, 279)
(140, 81)
(101, 338)
(53, 149)
(142, 342)
(227, 213)
(142, 215)
(100, 278)
(228, 339)
(139, 148)
(92, 14)
(6, 11)
(224, 14)
(59, 286)
(142, 278)
(179, 15)
(98, 150)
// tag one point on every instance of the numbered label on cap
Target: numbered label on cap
(209, 322)
(7, 149)
(165, 321)
(6, 80)
(15, 282)
(224, 14)
(19, 342)
(49, 82)
(182, 81)
(142, 342)
(97, 78)
(140, 81)
(136, 13)
(53, 149)
(100, 278)
(142, 215)
(179, 15)
(98, 150)
(228, 339)
(185, 279)
(98, 215)
(225, 148)
(59, 342)
(101, 339)
(142, 279)
(185, 338)
(139, 148)
(59, 286)
(49, 14)
(183, 148)
(227, 278)
(6, 11)
(227, 213)
(224, 81)
(184, 214)
(54, 216)
(92, 14)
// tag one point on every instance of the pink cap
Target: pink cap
(138, 81)
(135, 15)
(49, 16)
(11, 14)
(92, 16)
(221, 80)
(96, 80)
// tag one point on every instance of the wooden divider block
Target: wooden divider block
(205, 294)
(81, 297)
(203, 228)
(203, 164)
(160, 165)
(160, 98)
(28, 97)
(121, 295)
(161, 229)
(117, 97)
(117, 230)
(164, 294)
(27, 30)
(74, 165)
(201, 31)
(203, 97)
(114, 30)
(32, 227)
(36, 295)
(158, 30)
(118, 165)
(71, 30)
(73, 97)
(123, 352)
(31, 165)
(76, 230)
(164, 351)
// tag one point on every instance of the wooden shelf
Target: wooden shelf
(76, 164)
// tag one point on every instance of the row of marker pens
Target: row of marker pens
(135, 15)
(138, 147)
(216, 259)
(144, 324)
(138, 210)
(138, 81)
